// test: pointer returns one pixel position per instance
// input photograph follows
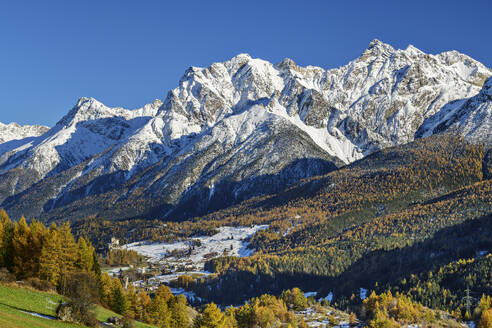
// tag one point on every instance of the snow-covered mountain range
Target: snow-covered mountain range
(14, 131)
(238, 129)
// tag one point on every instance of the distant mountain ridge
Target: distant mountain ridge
(238, 129)
(14, 131)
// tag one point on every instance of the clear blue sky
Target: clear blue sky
(127, 53)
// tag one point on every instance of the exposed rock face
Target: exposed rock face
(238, 129)
(64, 312)
(115, 321)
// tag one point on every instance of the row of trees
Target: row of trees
(46, 253)
(388, 310)
(55, 257)
(163, 309)
(445, 286)
(264, 311)
(121, 256)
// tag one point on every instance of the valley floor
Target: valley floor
(188, 256)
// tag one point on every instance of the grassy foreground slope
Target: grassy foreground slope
(29, 300)
(19, 306)
(102, 314)
(14, 318)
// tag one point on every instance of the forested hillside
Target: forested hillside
(399, 212)
(412, 220)
(250, 165)
(50, 259)
(396, 214)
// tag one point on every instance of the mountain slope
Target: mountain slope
(396, 213)
(22, 307)
(470, 117)
(231, 131)
(407, 208)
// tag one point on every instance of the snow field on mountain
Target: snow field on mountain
(240, 121)
(14, 131)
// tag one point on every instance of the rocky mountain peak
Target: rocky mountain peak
(287, 63)
(413, 51)
(233, 125)
(11, 124)
(378, 48)
(85, 109)
(241, 58)
(15, 131)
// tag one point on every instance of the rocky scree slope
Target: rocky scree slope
(238, 129)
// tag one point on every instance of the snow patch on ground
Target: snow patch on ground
(190, 296)
(326, 323)
(39, 315)
(314, 318)
(189, 256)
(167, 278)
(115, 271)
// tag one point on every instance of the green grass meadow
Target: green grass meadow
(17, 302)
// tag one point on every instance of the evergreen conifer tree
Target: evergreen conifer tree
(6, 230)
(20, 249)
(119, 301)
(49, 262)
(143, 306)
(68, 254)
(179, 312)
(85, 255)
(159, 309)
(211, 317)
(105, 289)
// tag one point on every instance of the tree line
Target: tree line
(55, 258)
